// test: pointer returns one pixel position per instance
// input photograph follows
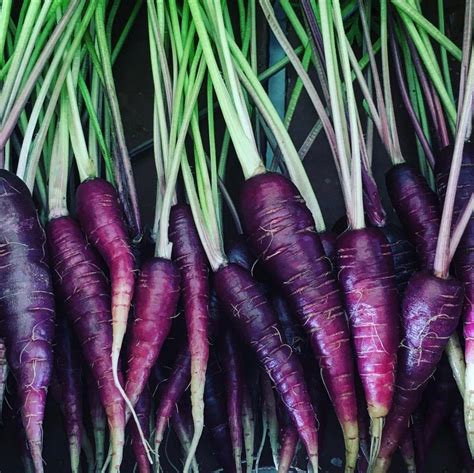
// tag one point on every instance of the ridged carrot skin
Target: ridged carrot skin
(3, 373)
(281, 233)
(405, 261)
(215, 412)
(142, 409)
(171, 391)
(417, 208)
(156, 299)
(83, 287)
(26, 305)
(101, 217)
(365, 271)
(251, 313)
(189, 255)
(68, 372)
(430, 314)
(463, 262)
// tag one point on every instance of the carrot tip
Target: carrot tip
(376, 427)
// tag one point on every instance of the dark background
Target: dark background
(135, 90)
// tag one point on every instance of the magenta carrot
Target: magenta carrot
(171, 391)
(3, 373)
(243, 301)
(281, 234)
(366, 274)
(216, 414)
(101, 217)
(191, 260)
(156, 299)
(430, 314)
(26, 306)
(68, 372)
(328, 240)
(84, 288)
(463, 261)
(230, 358)
(142, 409)
(98, 421)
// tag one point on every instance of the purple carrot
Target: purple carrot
(250, 311)
(417, 208)
(288, 439)
(156, 300)
(26, 305)
(171, 391)
(366, 274)
(281, 233)
(85, 292)
(430, 314)
(404, 255)
(407, 450)
(364, 434)
(101, 217)
(194, 269)
(142, 409)
(230, 358)
(328, 240)
(67, 363)
(463, 261)
(3, 373)
(98, 420)
(215, 412)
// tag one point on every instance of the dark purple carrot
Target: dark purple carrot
(84, 289)
(156, 300)
(366, 274)
(230, 358)
(417, 208)
(98, 421)
(215, 412)
(101, 217)
(328, 240)
(244, 302)
(430, 313)
(26, 305)
(364, 430)
(171, 391)
(281, 233)
(456, 422)
(143, 410)
(439, 400)
(67, 363)
(418, 426)
(191, 260)
(407, 450)
(288, 439)
(3, 373)
(463, 262)
(405, 261)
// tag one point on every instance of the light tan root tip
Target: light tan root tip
(381, 465)
(376, 427)
(351, 442)
(313, 464)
